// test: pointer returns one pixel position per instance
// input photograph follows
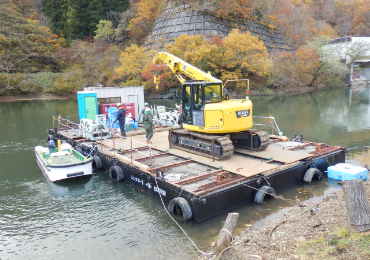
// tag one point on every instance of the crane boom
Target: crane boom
(180, 67)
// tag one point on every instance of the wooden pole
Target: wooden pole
(358, 209)
(225, 238)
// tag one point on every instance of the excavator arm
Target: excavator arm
(180, 67)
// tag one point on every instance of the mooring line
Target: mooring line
(276, 196)
(160, 196)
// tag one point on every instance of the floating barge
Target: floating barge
(209, 187)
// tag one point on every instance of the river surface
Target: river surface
(95, 218)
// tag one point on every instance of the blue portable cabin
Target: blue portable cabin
(87, 104)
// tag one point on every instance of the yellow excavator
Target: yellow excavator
(211, 123)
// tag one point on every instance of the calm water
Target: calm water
(94, 218)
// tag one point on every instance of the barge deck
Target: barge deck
(207, 187)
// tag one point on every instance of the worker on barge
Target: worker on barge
(146, 106)
(121, 118)
(148, 125)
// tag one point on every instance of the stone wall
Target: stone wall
(182, 19)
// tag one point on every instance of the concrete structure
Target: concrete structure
(184, 19)
(107, 95)
(360, 69)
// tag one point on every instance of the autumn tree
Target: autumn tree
(147, 11)
(242, 54)
(294, 69)
(93, 63)
(24, 45)
(133, 62)
(105, 31)
(330, 70)
(350, 52)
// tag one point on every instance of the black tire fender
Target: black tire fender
(97, 164)
(310, 173)
(116, 173)
(183, 205)
(261, 193)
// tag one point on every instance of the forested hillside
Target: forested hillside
(61, 46)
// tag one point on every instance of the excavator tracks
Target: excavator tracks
(201, 144)
(261, 140)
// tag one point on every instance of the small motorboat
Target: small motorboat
(62, 163)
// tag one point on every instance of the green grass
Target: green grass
(340, 244)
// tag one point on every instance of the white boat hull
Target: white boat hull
(62, 172)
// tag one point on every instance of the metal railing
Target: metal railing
(273, 124)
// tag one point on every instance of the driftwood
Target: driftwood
(225, 238)
(358, 209)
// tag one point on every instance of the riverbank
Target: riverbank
(237, 94)
(240, 93)
(317, 230)
(36, 97)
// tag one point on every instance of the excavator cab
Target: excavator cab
(195, 96)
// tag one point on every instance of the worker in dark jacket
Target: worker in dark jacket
(121, 118)
(148, 125)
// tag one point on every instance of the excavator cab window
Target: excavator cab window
(198, 96)
(212, 93)
(186, 104)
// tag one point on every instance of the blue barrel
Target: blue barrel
(112, 115)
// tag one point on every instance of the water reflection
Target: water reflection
(71, 187)
(95, 218)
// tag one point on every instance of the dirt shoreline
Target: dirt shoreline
(234, 94)
(284, 238)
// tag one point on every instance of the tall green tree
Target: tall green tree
(76, 19)
(95, 11)
(55, 10)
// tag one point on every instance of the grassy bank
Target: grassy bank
(315, 230)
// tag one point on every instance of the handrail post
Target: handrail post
(82, 130)
(58, 123)
(151, 161)
(170, 138)
(213, 151)
(131, 150)
(114, 148)
(67, 128)
(101, 140)
(53, 123)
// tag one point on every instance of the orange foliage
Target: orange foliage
(235, 8)
(143, 22)
(295, 68)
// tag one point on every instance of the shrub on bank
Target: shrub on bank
(28, 83)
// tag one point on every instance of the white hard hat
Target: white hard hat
(119, 104)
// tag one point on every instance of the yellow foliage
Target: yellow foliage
(245, 52)
(133, 61)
